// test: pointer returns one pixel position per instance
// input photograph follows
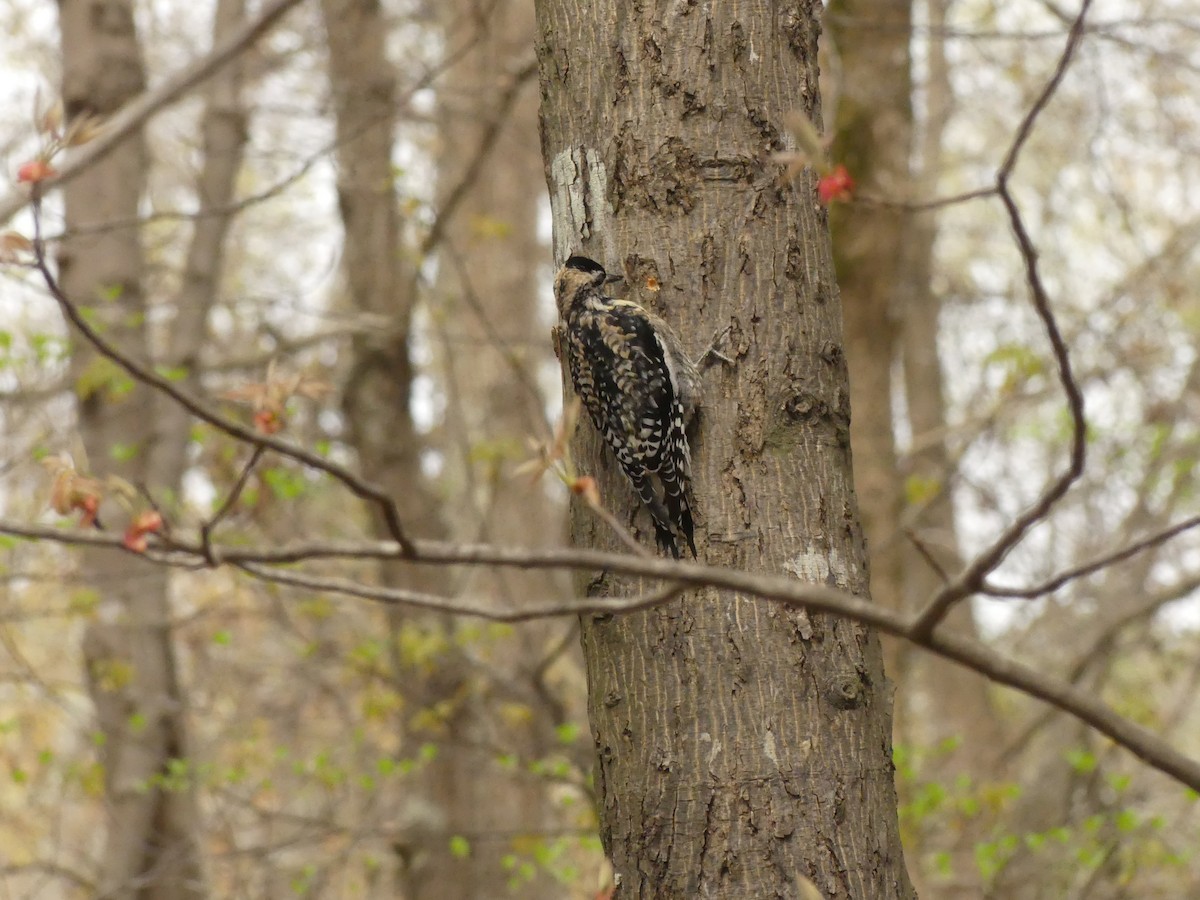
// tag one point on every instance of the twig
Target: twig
(135, 114)
(487, 143)
(484, 609)
(1088, 657)
(428, 77)
(925, 205)
(927, 555)
(972, 578)
(619, 530)
(208, 527)
(496, 340)
(1089, 568)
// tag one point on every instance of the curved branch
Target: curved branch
(1058, 692)
(972, 578)
(144, 373)
(1090, 568)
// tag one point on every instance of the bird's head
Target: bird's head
(579, 274)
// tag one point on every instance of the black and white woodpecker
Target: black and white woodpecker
(639, 388)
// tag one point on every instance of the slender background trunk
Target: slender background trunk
(885, 261)
(487, 317)
(151, 849)
(873, 139)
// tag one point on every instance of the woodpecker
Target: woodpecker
(638, 387)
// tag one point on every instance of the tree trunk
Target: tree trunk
(378, 283)
(490, 260)
(873, 138)
(376, 401)
(151, 850)
(958, 701)
(741, 747)
(884, 258)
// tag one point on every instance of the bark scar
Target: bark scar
(579, 202)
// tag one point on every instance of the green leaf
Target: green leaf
(489, 227)
(123, 452)
(1127, 820)
(1118, 782)
(83, 601)
(284, 483)
(460, 847)
(100, 374)
(172, 373)
(918, 489)
(1082, 761)
(567, 732)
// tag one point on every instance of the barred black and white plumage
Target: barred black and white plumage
(639, 389)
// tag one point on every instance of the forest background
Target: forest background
(331, 225)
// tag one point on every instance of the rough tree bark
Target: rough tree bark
(740, 747)
(151, 848)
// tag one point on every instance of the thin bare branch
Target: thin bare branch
(618, 529)
(1081, 704)
(208, 527)
(972, 578)
(1090, 568)
(427, 78)
(926, 554)
(925, 205)
(459, 605)
(495, 339)
(140, 110)
(487, 142)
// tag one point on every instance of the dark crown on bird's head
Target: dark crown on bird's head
(588, 266)
(584, 264)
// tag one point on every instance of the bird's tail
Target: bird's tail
(662, 518)
(675, 490)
